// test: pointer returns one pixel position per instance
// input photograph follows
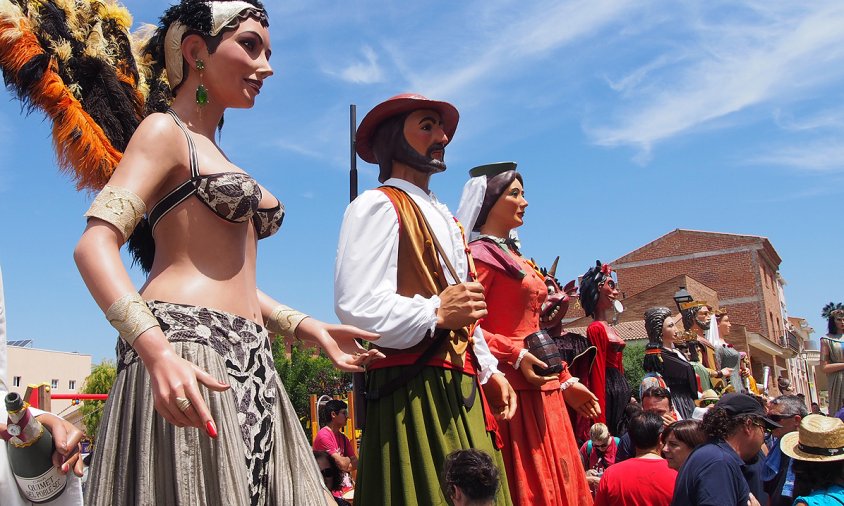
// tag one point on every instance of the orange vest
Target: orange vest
(420, 273)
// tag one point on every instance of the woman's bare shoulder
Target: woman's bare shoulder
(159, 130)
(157, 148)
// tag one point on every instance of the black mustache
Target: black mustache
(435, 147)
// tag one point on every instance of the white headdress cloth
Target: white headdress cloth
(470, 205)
(222, 13)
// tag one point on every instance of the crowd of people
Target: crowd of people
(467, 398)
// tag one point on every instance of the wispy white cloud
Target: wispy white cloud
(823, 155)
(824, 119)
(534, 31)
(299, 148)
(367, 71)
(633, 79)
(760, 58)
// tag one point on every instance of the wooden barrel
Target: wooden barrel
(545, 349)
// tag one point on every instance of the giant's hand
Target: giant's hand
(66, 438)
(461, 305)
(526, 366)
(175, 383)
(582, 400)
(501, 396)
(340, 343)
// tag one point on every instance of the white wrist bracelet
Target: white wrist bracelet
(521, 356)
(569, 382)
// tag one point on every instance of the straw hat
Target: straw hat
(820, 439)
(708, 395)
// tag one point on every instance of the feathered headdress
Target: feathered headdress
(832, 309)
(73, 60)
(76, 61)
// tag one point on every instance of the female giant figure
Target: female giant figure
(540, 452)
(598, 295)
(671, 366)
(197, 414)
(832, 355)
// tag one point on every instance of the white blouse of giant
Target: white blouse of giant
(366, 270)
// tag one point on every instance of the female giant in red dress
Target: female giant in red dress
(540, 452)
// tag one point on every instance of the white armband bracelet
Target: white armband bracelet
(131, 316)
(519, 360)
(569, 382)
(284, 321)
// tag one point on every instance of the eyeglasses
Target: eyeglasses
(761, 425)
(784, 416)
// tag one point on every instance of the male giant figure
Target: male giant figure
(402, 271)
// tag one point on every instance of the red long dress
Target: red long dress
(540, 453)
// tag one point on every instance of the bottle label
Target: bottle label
(43, 488)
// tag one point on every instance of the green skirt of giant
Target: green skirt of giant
(409, 433)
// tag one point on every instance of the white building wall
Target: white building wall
(32, 366)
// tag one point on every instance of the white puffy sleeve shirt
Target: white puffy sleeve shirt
(366, 272)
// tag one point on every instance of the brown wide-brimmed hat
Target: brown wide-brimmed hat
(400, 104)
(819, 439)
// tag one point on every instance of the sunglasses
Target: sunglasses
(762, 426)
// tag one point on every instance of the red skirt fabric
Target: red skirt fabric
(540, 453)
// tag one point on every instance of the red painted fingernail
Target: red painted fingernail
(211, 429)
(65, 467)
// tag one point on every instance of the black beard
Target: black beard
(415, 160)
(703, 325)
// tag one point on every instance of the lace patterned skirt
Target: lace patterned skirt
(261, 455)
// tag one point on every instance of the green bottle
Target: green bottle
(30, 450)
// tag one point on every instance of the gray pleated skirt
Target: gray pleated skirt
(261, 455)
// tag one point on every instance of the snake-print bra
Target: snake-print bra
(233, 196)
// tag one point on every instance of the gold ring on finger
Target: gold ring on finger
(183, 403)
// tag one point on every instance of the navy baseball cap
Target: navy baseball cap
(743, 404)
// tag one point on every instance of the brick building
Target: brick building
(661, 294)
(732, 271)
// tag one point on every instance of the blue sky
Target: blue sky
(628, 119)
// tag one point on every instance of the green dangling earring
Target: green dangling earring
(201, 90)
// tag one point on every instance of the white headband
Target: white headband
(222, 13)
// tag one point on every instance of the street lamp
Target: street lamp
(681, 296)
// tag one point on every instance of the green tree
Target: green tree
(634, 353)
(304, 374)
(98, 382)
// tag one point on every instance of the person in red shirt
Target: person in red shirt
(646, 479)
(333, 416)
